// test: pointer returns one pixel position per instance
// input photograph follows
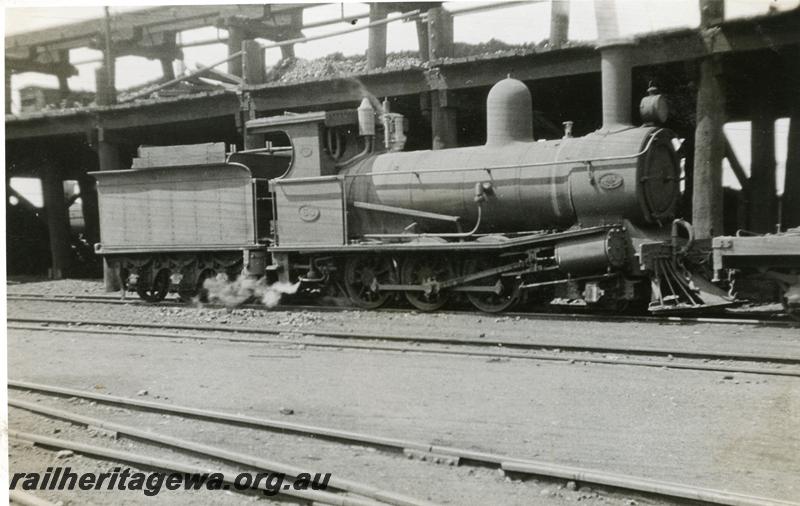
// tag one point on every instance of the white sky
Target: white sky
(515, 24)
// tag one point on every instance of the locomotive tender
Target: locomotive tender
(341, 208)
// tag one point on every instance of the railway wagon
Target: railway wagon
(764, 268)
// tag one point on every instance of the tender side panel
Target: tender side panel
(176, 208)
(310, 212)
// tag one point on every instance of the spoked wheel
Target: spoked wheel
(506, 294)
(124, 274)
(362, 274)
(158, 290)
(186, 291)
(427, 271)
(200, 291)
(792, 310)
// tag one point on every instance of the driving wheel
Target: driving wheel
(506, 294)
(362, 274)
(427, 271)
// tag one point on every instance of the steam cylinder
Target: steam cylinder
(530, 189)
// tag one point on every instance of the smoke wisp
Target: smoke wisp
(363, 92)
(244, 289)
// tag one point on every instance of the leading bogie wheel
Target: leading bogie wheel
(362, 274)
(428, 271)
(157, 290)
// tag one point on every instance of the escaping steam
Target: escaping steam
(243, 289)
(363, 92)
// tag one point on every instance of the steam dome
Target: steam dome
(509, 115)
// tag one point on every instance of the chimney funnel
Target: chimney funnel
(615, 75)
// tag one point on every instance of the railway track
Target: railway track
(745, 363)
(520, 467)
(753, 319)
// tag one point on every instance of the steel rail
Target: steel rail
(657, 319)
(507, 463)
(217, 453)
(433, 351)
(26, 499)
(171, 465)
(482, 342)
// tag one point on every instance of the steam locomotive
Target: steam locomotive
(332, 202)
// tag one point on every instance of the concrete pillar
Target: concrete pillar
(8, 91)
(287, 52)
(440, 33)
(166, 69)
(712, 12)
(90, 210)
(422, 40)
(253, 72)
(559, 22)
(253, 62)
(687, 151)
(235, 39)
(296, 31)
(709, 149)
(709, 139)
(376, 49)
(57, 220)
(106, 94)
(109, 158)
(605, 13)
(444, 125)
(63, 87)
(63, 84)
(764, 215)
(790, 205)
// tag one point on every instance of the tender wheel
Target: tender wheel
(427, 271)
(490, 302)
(362, 273)
(200, 291)
(159, 288)
(124, 274)
(186, 294)
(792, 310)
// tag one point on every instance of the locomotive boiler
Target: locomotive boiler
(618, 173)
(579, 220)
